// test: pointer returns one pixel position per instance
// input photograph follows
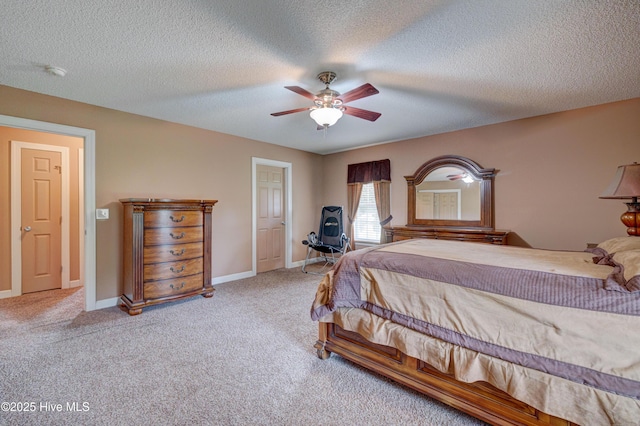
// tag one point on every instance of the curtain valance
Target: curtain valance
(371, 171)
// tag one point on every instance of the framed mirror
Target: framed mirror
(451, 191)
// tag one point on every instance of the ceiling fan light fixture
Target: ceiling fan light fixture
(326, 116)
(328, 104)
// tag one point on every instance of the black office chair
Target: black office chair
(330, 241)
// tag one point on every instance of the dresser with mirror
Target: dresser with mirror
(450, 198)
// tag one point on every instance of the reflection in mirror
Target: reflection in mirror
(451, 191)
(448, 193)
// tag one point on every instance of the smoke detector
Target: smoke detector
(57, 71)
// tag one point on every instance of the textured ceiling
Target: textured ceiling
(222, 65)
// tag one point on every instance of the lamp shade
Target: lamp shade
(326, 116)
(625, 184)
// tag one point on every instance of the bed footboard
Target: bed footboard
(479, 399)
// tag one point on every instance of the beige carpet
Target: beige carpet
(244, 357)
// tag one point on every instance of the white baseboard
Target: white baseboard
(297, 264)
(232, 277)
(107, 303)
(114, 301)
(75, 283)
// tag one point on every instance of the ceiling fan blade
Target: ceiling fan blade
(300, 91)
(291, 111)
(362, 113)
(358, 93)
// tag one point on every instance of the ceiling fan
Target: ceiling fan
(464, 176)
(329, 105)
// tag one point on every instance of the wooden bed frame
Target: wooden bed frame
(479, 399)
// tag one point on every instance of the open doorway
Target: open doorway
(45, 208)
(86, 209)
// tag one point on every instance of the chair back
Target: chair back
(331, 228)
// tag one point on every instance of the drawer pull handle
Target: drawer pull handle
(177, 271)
(176, 287)
(177, 237)
(173, 219)
(175, 253)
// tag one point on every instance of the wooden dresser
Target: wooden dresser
(474, 218)
(167, 251)
(490, 236)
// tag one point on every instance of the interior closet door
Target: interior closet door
(271, 218)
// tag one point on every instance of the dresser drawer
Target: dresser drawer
(168, 270)
(173, 287)
(181, 235)
(173, 252)
(172, 218)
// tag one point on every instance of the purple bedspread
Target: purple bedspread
(587, 294)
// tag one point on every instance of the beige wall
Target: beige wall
(142, 157)
(7, 135)
(552, 169)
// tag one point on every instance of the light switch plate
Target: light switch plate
(102, 214)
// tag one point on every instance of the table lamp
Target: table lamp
(626, 185)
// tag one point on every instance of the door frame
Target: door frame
(255, 161)
(16, 212)
(89, 184)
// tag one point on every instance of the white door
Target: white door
(41, 220)
(448, 205)
(270, 231)
(424, 205)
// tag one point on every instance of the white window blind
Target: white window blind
(367, 225)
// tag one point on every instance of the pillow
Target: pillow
(610, 247)
(626, 273)
(615, 245)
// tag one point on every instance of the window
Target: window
(367, 225)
